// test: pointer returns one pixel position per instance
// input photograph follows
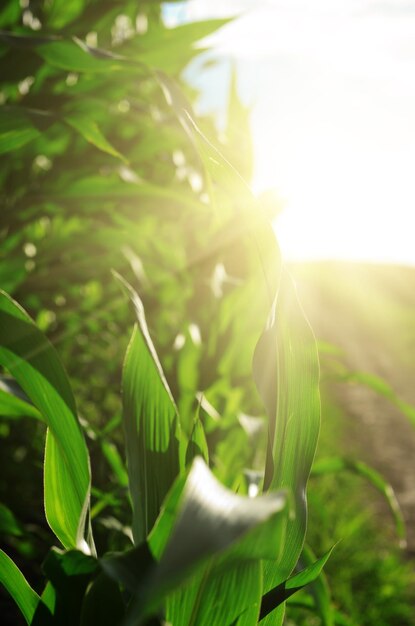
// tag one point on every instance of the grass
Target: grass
(371, 579)
(365, 314)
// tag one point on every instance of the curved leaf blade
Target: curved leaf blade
(151, 426)
(286, 372)
(319, 589)
(283, 591)
(16, 584)
(13, 407)
(91, 132)
(34, 363)
(72, 57)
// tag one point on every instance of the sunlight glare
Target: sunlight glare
(332, 95)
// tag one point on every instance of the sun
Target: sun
(343, 198)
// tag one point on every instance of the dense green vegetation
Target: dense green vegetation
(128, 235)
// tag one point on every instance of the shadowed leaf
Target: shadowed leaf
(16, 584)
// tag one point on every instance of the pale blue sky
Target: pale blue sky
(332, 84)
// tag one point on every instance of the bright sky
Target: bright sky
(332, 86)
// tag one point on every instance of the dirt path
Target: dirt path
(369, 312)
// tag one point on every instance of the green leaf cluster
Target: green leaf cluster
(202, 551)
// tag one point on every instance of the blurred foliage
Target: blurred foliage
(372, 580)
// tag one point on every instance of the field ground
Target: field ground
(368, 312)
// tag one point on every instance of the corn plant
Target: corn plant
(98, 140)
(201, 553)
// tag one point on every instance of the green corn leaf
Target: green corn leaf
(238, 131)
(90, 131)
(218, 538)
(319, 589)
(16, 584)
(20, 40)
(188, 379)
(59, 13)
(103, 603)
(72, 56)
(48, 597)
(13, 407)
(169, 49)
(197, 444)
(131, 568)
(112, 188)
(70, 573)
(115, 461)
(248, 220)
(10, 13)
(16, 129)
(286, 372)
(60, 565)
(224, 518)
(334, 465)
(223, 597)
(34, 363)
(216, 167)
(186, 35)
(283, 591)
(151, 426)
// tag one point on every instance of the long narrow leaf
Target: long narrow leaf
(24, 41)
(72, 57)
(319, 589)
(151, 427)
(90, 131)
(283, 591)
(286, 372)
(14, 407)
(34, 363)
(16, 584)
